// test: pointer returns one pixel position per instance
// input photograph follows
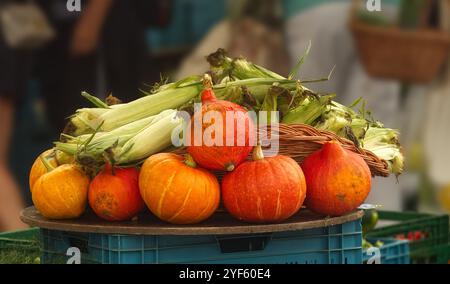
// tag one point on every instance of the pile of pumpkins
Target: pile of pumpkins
(183, 190)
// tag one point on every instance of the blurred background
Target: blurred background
(396, 58)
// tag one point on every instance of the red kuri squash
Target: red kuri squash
(338, 180)
(222, 133)
(114, 194)
(265, 189)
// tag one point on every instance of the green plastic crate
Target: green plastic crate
(20, 246)
(443, 254)
(25, 239)
(434, 231)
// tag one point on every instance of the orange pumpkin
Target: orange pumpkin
(177, 191)
(114, 194)
(265, 189)
(338, 180)
(53, 157)
(222, 149)
(61, 193)
(38, 169)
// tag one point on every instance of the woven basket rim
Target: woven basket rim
(377, 166)
(393, 31)
(312, 140)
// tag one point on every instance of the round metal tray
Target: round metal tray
(221, 223)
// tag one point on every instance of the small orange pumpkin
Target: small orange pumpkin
(264, 190)
(338, 180)
(114, 194)
(177, 191)
(54, 159)
(61, 193)
(38, 169)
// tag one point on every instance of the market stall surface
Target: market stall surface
(304, 238)
(220, 223)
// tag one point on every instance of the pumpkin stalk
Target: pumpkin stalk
(258, 153)
(54, 155)
(230, 167)
(207, 93)
(109, 168)
(62, 158)
(47, 165)
(333, 149)
(189, 161)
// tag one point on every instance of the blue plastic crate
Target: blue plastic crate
(392, 252)
(338, 244)
(55, 244)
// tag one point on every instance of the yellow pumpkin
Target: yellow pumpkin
(54, 159)
(176, 190)
(61, 193)
(39, 169)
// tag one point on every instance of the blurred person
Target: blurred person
(14, 71)
(11, 202)
(100, 50)
(435, 128)
(332, 45)
(108, 31)
(252, 29)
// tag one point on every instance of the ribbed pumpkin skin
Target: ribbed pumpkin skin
(115, 196)
(338, 180)
(221, 157)
(38, 169)
(61, 193)
(264, 191)
(177, 193)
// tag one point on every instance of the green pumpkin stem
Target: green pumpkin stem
(62, 158)
(189, 161)
(258, 153)
(55, 156)
(46, 164)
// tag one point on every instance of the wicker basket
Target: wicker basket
(407, 56)
(410, 56)
(299, 141)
